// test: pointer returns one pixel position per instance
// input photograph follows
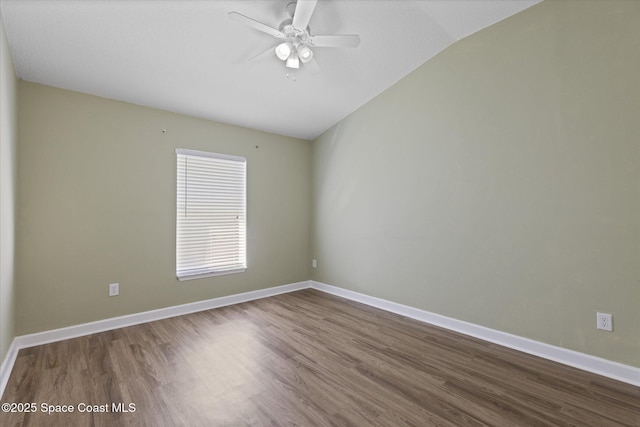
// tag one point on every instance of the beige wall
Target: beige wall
(8, 141)
(499, 183)
(96, 203)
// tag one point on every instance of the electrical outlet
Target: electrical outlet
(313, 263)
(605, 321)
(114, 289)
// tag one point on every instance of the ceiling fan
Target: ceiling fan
(296, 39)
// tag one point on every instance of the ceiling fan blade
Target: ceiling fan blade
(313, 66)
(238, 17)
(269, 53)
(302, 14)
(346, 40)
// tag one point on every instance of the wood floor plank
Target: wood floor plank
(305, 359)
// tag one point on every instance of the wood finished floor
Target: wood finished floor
(310, 359)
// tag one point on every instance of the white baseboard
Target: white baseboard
(31, 340)
(45, 337)
(607, 368)
(7, 365)
(586, 362)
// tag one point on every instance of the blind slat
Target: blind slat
(211, 214)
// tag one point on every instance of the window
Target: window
(211, 214)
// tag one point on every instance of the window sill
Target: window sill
(210, 274)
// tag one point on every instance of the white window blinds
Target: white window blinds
(211, 214)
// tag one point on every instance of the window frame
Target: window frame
(191, 274)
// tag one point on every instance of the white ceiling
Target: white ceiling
(189, 57)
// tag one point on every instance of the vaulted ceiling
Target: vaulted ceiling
(189, 57)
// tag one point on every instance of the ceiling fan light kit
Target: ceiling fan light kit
(283, 51)
(293, 61)
(305, 54)
(297, 40)
(294, 55)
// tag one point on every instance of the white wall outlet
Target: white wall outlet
(314, 264)
(114, 289)
(605, 321)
